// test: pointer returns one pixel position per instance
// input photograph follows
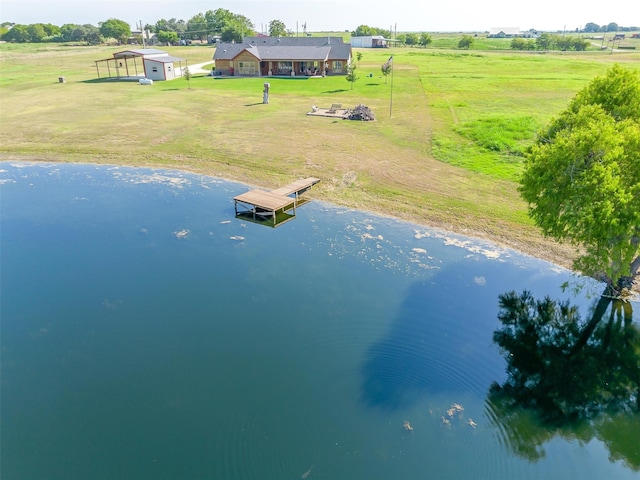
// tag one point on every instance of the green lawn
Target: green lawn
(449, 155)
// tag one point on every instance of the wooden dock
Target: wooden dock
(273, 206)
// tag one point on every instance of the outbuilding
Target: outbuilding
(376, 41)
(141, 63)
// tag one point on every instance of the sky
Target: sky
(339, 15)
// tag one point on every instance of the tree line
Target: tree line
(591, 27)
(233, 27)
(221, 22)
(547, 41)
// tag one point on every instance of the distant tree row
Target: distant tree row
(229, 26)
(547, 41)
(367, 31)
(611, 27)
(69, 32)
(412, 39)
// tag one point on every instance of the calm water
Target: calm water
(147, 333)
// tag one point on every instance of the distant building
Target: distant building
(504, 32)
(376, 41)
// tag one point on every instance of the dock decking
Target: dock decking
(274, 205)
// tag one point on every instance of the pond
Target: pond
(148, 333)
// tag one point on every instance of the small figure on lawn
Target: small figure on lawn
(265, 93)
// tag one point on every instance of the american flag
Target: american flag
(388, 63)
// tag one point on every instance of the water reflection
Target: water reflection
(434, 345)
(568, 377)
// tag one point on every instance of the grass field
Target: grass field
(449, 155)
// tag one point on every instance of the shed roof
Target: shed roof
(139, 52)
(165, 59)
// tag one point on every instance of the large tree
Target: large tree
(18, 34)
(366, 31)
(231, 26)
(117, 29)
(466, 41)
(197, 27)
(582, 179)
(277, 28)
(169, 38)
(171, 25)
(425, 39)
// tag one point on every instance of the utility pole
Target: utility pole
(142, 34)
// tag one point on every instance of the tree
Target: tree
(570, 43)
(612, 27)
(232, 33)
(117, 29)
(351, 74)
(37, 32)
(277, 28)
(425, 39)
(187, 76)
(363, 31)
(466, 41)
(197, 28)
(522, 44)
(412, 39)
(92, 34)
(581, 179)
(544, 41)
(591, 27)
(18, 34)
(167, 37)
(366, 31)
(171, 25)
(230, 26)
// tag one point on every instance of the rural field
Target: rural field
(446, 149)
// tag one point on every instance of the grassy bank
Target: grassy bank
(448, 156)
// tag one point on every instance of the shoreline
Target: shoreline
(536, 247)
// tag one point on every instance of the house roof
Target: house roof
(286, 48)
(505, 30)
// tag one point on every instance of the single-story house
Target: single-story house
(283, 56)
(141, 63)
(504, 32)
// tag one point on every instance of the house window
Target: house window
(337, 66)
(154, 69)
(284, 68)
(247, 68)
(168, 68)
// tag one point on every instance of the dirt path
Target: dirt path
(198, 67)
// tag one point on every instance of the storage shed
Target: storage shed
(141, 63)
(376, 41)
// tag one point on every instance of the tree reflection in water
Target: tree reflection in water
(568, 377)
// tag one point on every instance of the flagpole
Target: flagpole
(391, 95)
